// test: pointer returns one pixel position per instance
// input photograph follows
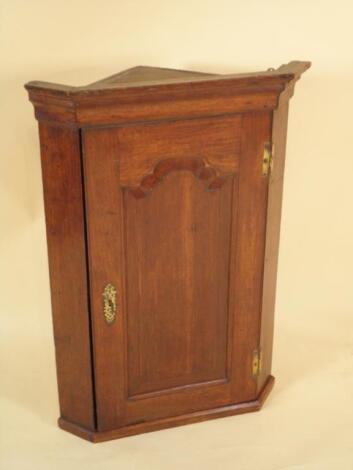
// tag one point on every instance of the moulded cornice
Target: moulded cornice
(150, 93)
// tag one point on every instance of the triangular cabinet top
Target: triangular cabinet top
(150, 93)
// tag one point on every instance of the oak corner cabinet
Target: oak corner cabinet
(162, 193)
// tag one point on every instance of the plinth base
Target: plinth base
(203, 415)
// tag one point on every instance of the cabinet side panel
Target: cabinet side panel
(63, 199)
(249, 249)
(279, 132)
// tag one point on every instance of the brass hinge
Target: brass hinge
(256, 362)
(267, 159)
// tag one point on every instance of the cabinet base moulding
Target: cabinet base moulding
(174, 421)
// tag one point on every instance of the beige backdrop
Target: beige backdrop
(308, 421)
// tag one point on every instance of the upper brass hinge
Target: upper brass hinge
(256, 362)
(267, 159)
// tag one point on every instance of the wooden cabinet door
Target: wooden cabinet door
(176, 216)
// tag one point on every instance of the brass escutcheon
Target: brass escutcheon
(109, 303)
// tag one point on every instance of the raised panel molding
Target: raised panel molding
(201, 170)
(165, 311)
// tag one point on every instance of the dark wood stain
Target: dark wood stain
(60, 150)
(153, 183)
(177, 300)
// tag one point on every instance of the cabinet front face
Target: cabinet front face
(176, 216)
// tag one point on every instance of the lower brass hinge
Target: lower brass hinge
(256, 362)
(267, 159)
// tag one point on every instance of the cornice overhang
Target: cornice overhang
(115, 101)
